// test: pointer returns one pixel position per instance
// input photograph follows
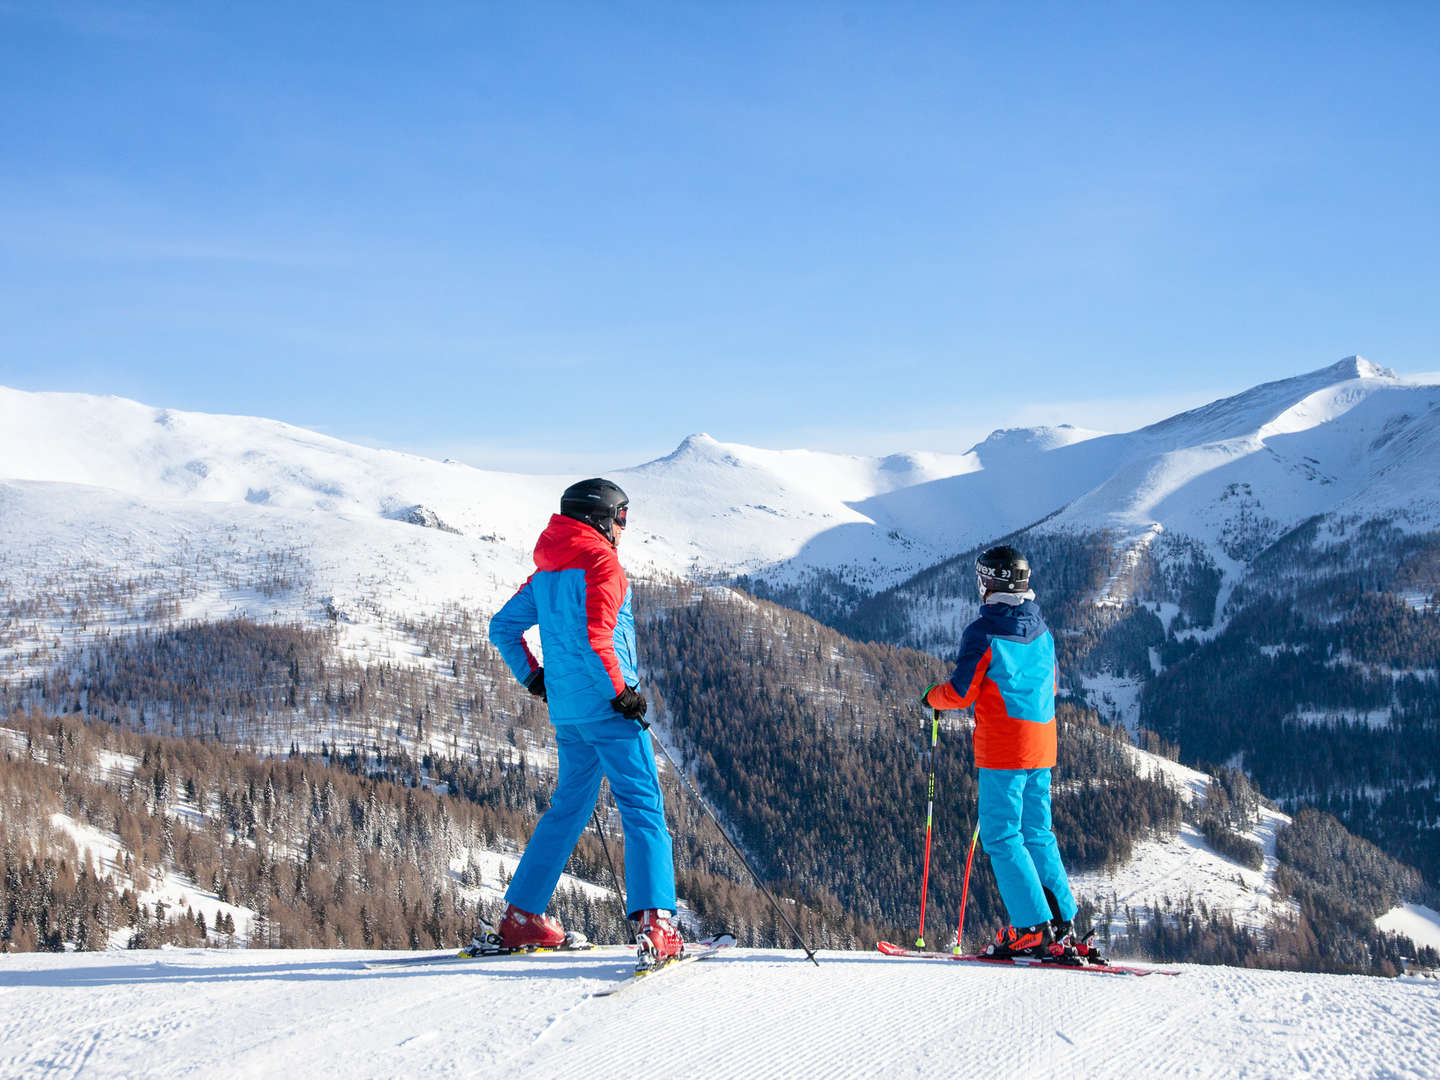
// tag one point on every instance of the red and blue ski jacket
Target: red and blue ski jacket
(580, 597)
(1006, 669)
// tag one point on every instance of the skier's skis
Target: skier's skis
(699, 950)
(470, 953)
(1106, 968)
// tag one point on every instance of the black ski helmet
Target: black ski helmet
(596, 502)
(1003, 569)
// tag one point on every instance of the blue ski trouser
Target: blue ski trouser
(1015, 830)
(620, 751)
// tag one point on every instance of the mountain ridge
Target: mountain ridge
(714, 507)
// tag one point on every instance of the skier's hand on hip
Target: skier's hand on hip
(536, 684)
(630, 704)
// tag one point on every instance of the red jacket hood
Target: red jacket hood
(566, 542)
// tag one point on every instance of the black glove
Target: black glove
(536, 684)
(630, 704)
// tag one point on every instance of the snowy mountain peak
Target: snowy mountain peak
(845, 477)
(1350, 436)
(1245, 413)
(699, 447)
(698, 443)
(1357, 367)
(906, 464)
(1004, 444)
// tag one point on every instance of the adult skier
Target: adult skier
(580, 598)
(1006, 670)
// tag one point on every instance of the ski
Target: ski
(472, 954)
(700, 950)
(1020, 961)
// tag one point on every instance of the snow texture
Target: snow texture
(752, 1015)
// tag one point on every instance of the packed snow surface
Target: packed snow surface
(752, 1015)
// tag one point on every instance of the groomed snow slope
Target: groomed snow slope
(754, 1015)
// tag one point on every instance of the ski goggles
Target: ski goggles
(622, 515)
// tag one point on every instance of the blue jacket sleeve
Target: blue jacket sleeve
(973, 647)
(507, 632)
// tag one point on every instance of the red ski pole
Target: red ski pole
(965, 893)
(929, 821)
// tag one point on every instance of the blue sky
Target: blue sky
(546, 236)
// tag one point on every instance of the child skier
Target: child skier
(1006, 669)
(580, 597)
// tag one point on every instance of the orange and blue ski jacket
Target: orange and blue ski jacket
(581, 598)
(1006, 669)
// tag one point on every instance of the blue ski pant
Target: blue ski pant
(1016, 832)
(620, 751)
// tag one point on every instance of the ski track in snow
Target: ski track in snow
(756, 1014)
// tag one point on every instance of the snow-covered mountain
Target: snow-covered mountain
(102, 486)
(1349, 439)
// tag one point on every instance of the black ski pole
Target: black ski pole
(615, 877)
(734, 846)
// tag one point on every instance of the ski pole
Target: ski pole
(619, 895)
(645, 724)
(929, 820)
(965, 892)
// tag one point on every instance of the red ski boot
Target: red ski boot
(658, 941)
(1031, 942)
(524, 930)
